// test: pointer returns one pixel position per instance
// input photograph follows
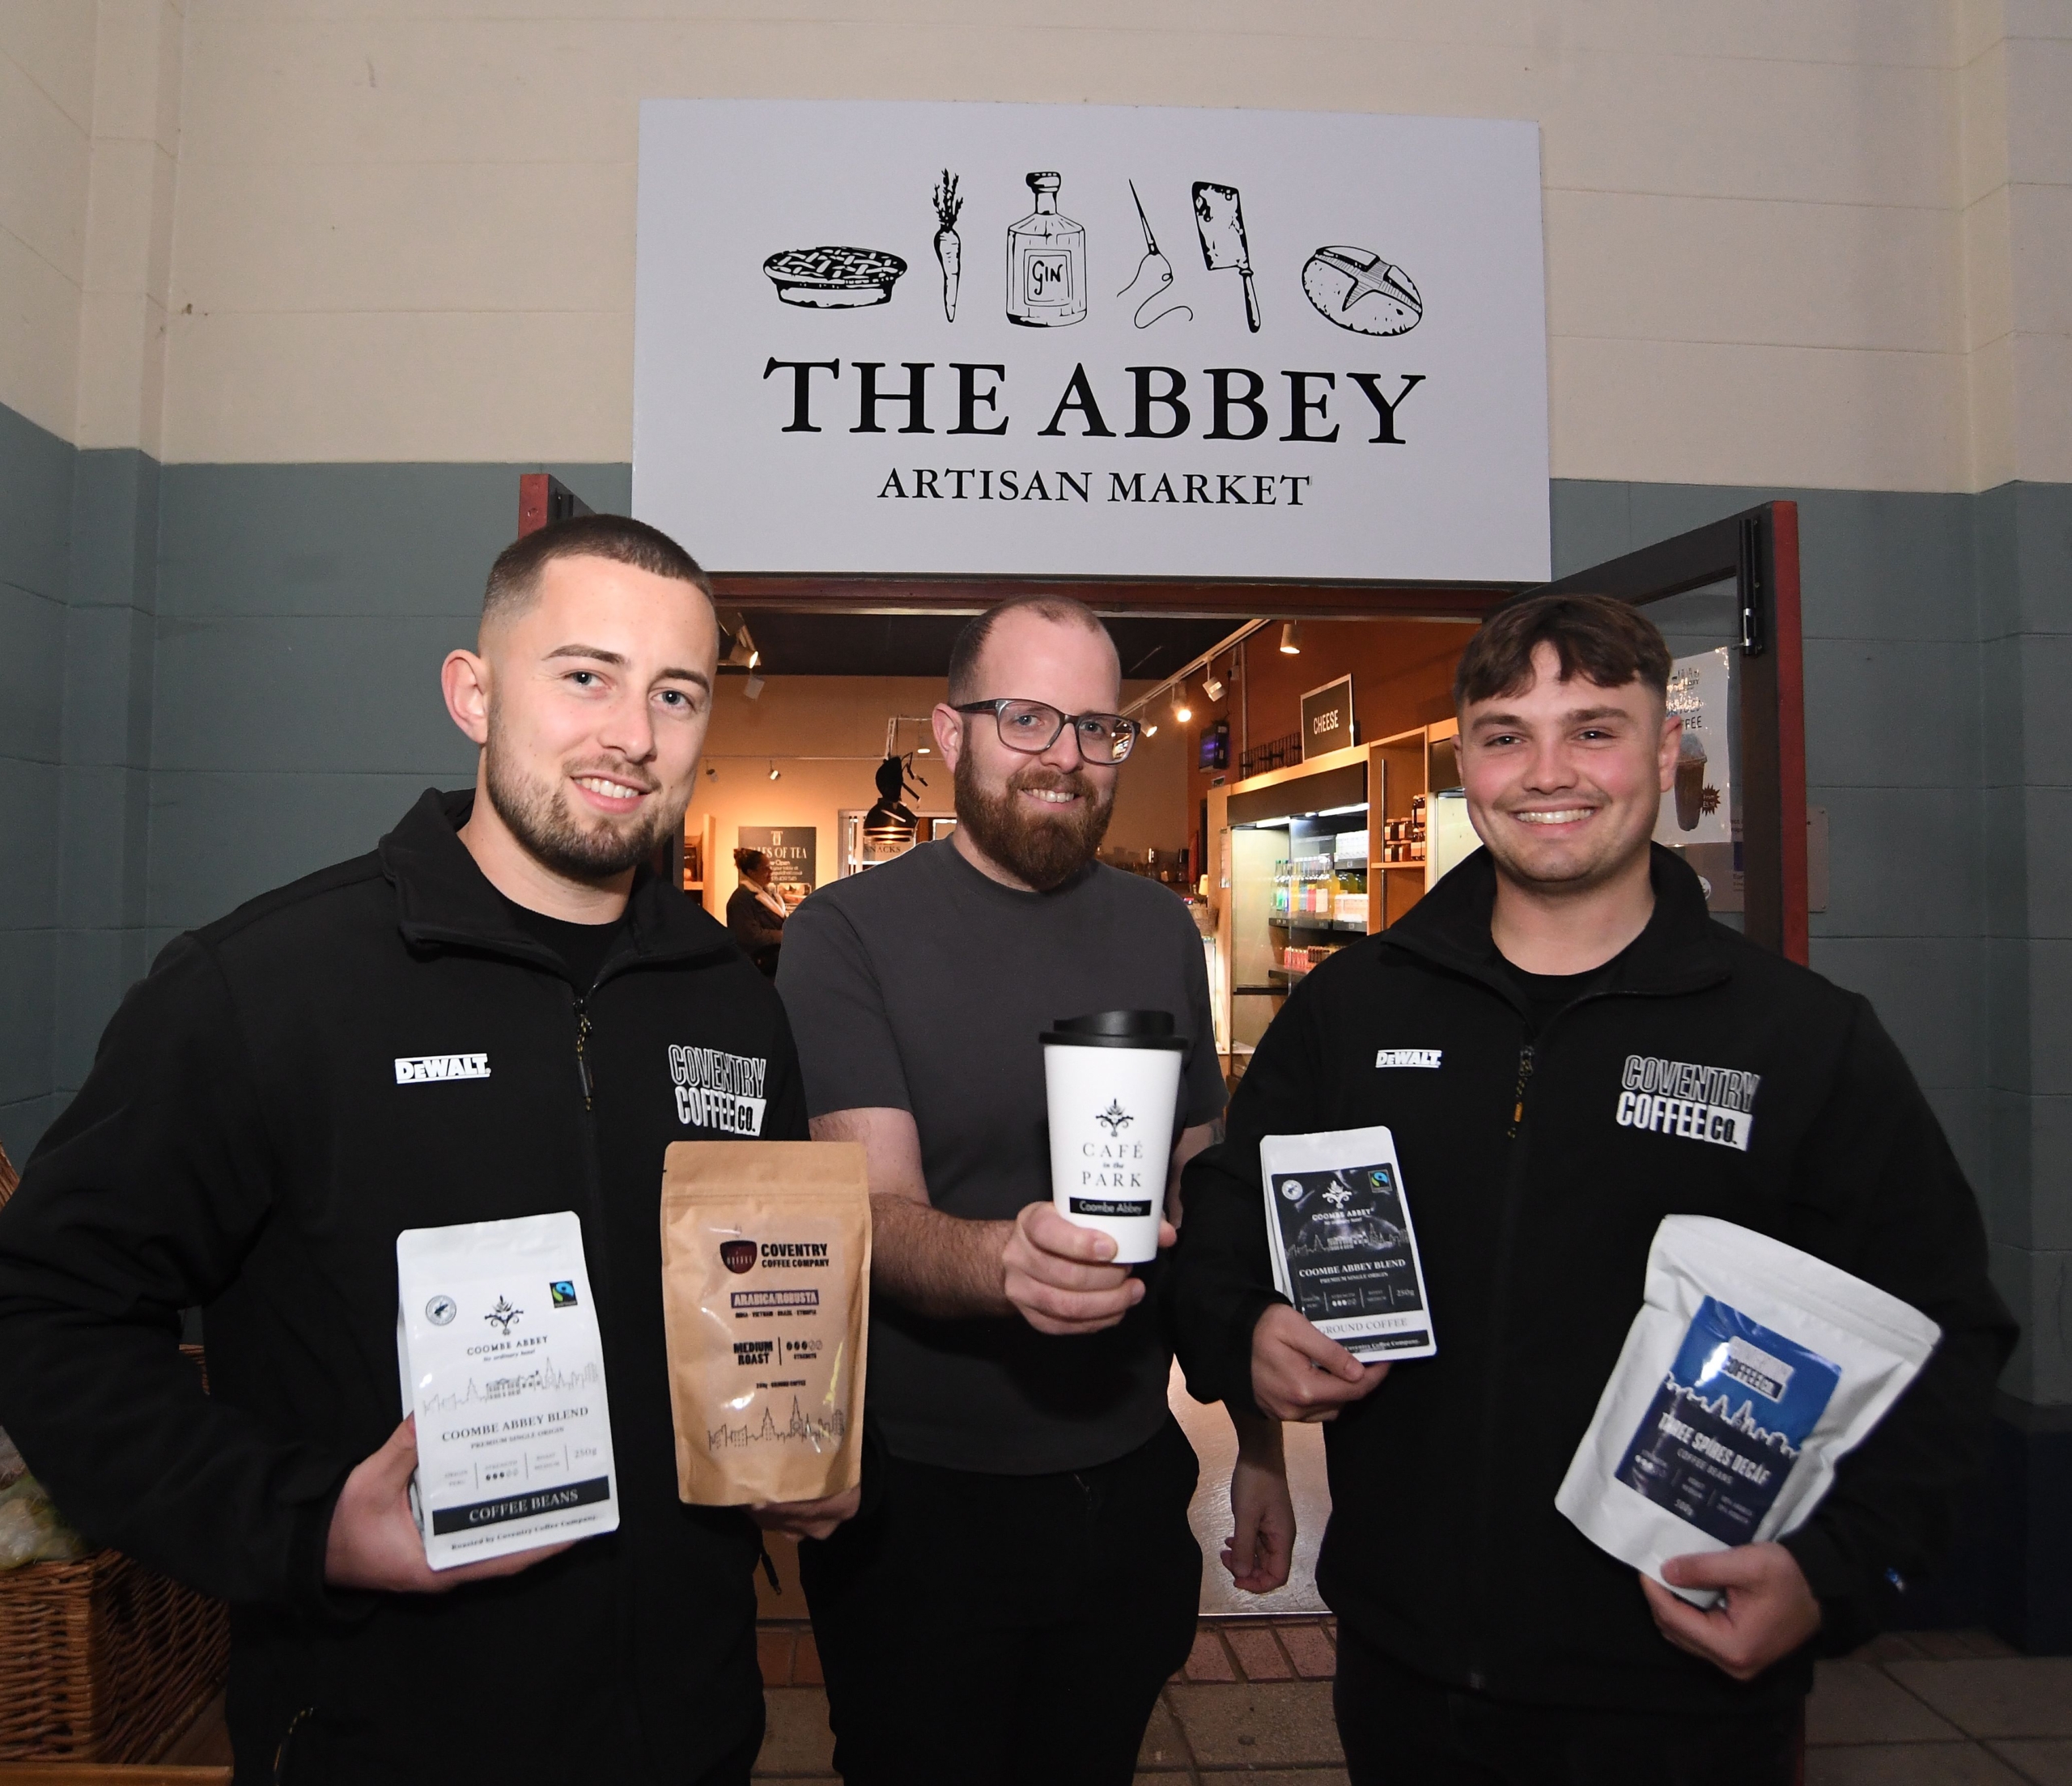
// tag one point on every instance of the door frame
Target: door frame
(1758, 548)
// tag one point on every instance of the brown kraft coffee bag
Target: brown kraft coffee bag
(766, 1296)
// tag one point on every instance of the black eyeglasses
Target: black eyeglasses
(1032, 726)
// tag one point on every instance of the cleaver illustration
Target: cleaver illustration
(1220, 220)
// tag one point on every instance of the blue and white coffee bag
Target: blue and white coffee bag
(1750, 1369)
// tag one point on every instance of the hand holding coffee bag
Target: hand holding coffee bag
(766, 1297)
(1750, 1369)
(497, 1341)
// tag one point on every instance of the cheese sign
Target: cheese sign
(1125, 341)
(1328, 723)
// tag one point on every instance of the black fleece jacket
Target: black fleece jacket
(249, 1141)
(1535, 1205)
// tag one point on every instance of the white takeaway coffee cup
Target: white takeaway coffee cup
(1113, 1081)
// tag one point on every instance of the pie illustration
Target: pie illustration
(1357, 290)
(834, 278)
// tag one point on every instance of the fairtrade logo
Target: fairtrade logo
(737, 1256)
(441, 1310)
(502, 1317)
(563, 1293)
(1114, 1119)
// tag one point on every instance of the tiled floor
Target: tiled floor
(1937, 1708)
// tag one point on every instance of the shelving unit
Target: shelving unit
(1266, 831)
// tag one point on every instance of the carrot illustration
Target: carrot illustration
(948, 250)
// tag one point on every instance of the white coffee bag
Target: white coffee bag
(1344, 1250)
(496, 1336)
(1750, 1369)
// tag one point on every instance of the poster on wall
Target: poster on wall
(1126, 342)
(1699, 808)
(793, 851)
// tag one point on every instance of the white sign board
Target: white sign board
(1126, 342)
(1699, 808)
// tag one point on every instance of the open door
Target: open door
(1732, 588)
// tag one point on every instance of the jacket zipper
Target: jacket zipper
(1491, 1401)
(582, 1042)
(1492, 1405)
(1517, 1102)
(596, 1248)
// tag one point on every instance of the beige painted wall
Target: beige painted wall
(90, 105)
(798, 719)
(1823, 243)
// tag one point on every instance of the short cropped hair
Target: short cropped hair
(513, 579)
(1601, 639)
(970, 644)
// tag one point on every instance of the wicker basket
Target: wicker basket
(104, 1660)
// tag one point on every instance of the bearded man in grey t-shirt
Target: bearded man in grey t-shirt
(1022, 1580)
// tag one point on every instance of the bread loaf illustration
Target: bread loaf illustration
(1357, 290)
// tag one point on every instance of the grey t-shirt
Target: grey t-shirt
(924, 985)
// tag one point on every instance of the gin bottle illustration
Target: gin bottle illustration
(1045, 263)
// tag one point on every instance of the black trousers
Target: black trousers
(1401, 1730)
(979, 1630)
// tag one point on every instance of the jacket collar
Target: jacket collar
(443, 899)
(1679, 950)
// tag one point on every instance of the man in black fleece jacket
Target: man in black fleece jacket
(1498, 1030)
(500, 1013)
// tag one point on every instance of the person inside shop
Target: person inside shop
(1481, 1637)
(755, 912)
(474, 1021)
(1022, 1579)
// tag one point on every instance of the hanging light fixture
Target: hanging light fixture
(1212, 686)
(1151, 731)
(891, 820)
(774, 772)
(1291, 637)
(1181, 711)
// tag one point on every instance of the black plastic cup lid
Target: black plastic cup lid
(1116, 1029)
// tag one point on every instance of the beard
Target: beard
(541, 819)
(1042, 851)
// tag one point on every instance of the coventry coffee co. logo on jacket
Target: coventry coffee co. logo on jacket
(1681, 1098)
(717, 1090)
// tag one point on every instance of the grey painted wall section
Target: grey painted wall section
(1937, 656)
(35, 515)
(261, 697)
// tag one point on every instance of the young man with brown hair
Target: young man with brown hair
(476, 1020)
(1481, 1638)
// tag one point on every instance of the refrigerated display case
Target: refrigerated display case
(1310, 857)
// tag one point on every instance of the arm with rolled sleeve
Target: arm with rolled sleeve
(143, 1200)
(1877, 1189)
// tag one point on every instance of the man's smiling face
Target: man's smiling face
(1041, 816)
(600, 692)
(1565, 779)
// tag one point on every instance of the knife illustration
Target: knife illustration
(1220, 220)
